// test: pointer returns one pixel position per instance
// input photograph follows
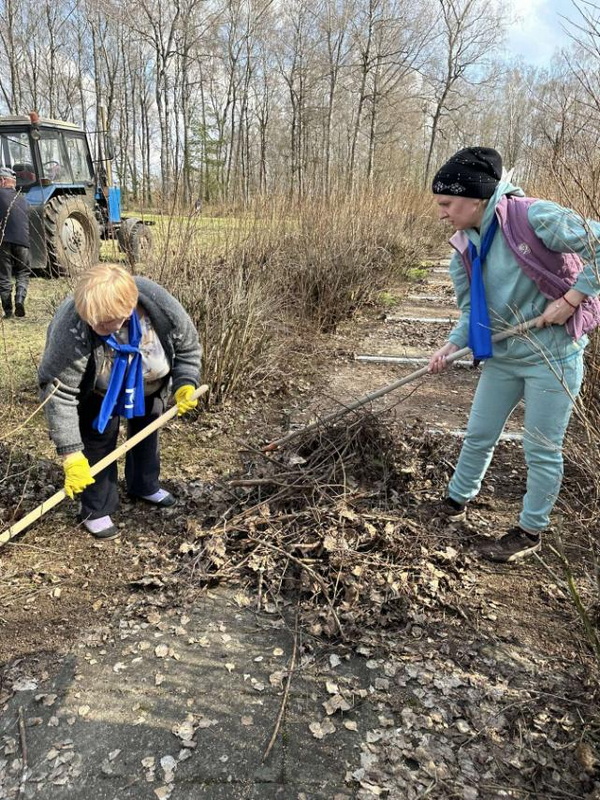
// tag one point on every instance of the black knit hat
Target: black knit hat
(472, 172)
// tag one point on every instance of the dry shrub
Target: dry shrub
(214, 271)
(337, 253)
(569, 178)
(233, 311)
(580, 507)
(590, 392)
(579, 502)
(251, 280)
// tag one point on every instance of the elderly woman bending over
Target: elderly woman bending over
(116, 348)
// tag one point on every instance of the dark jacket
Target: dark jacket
(14, 218)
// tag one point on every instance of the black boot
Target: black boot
(7, 305)
(20, 304)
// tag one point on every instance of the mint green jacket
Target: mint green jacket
(512, 296)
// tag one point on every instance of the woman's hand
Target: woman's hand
(557, 312)
(438, 361)
(183, 398)
(77, 473)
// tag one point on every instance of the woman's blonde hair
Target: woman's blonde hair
(105, 292)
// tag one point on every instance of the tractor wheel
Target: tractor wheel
(135, 239)
(72, 235)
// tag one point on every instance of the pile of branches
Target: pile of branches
(337, 524)
(24, 481)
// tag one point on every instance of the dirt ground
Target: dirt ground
(58, 583)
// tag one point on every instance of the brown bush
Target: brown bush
(250, 281)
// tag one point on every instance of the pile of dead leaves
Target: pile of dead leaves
(24, 482)
(336, 524)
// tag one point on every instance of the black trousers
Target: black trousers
(142, 462)
(14, 263)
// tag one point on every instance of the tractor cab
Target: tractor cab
(56, 153)
(72, 206)
(53, 167)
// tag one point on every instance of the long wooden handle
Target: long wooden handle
(48, 504)
(368, 398)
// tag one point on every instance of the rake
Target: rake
(368, 398)
(53, 501)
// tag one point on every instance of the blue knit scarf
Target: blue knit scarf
(480, 329)
(125, 393)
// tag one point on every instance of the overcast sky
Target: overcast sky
(539, 30)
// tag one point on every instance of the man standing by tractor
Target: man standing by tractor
(14, 244)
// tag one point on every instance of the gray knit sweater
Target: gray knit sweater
(74, 352)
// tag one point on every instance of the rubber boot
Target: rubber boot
(7, 305)
(20, 303)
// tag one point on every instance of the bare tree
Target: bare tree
(11, 24)
(470, 31)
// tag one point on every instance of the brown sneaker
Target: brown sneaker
(452, 510)
(514, 545)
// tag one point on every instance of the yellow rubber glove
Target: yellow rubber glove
(183, 398)
(77, 474)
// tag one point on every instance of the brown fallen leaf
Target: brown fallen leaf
(321, 729)
(336, 703)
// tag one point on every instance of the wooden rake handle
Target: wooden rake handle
(368, 398)
(48, 504)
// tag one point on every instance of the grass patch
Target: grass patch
(22, 343)
(388, 300)
(416, 273)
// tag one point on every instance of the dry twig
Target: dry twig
(329, 523)
(23, 742)
(286, 692)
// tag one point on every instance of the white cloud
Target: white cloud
(538, 31)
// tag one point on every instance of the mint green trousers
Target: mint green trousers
(549, 393)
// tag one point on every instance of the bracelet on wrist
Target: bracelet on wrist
(568, 302)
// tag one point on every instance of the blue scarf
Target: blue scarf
(125, 393)
(480, 329)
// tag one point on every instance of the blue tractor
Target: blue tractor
(72, 202)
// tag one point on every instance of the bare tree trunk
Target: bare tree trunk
(435, 125)
(12, 93)
(335, 33)
(469, 29)
(365, 66)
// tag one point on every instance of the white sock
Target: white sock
(158, 495)
(98, 525)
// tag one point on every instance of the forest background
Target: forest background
(221, 101)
